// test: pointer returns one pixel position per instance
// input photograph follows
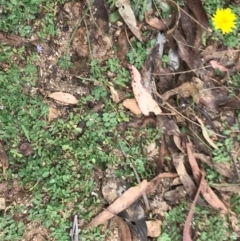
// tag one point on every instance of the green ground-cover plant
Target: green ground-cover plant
(21, 17)
(207, 224)
(58, 175)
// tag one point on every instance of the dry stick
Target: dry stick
(183, 72)
(125, 29)
(137, 176)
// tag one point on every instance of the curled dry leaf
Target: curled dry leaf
(144, 99)
(125, 10)
(63, 97)
(120, 204)
(123, 229)
(132, 105)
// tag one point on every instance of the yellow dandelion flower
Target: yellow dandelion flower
(224, 19)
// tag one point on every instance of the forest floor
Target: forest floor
(104, 98)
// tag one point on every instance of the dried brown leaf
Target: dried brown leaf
(114, 95)
(53, 113)
(206, 191)
(168, 127)
(123, 229)
(205, 134)
(132, 105)
(187, 182)
(155, 22)
(125, 10)
(216, 65)
(185, 90)
(198, 11)
(101, 15)
(187, 225)
(144, 99)
(123, 46)
(155, 181)
(120, 204)
(188, 55)
(222, 168)
(79, 43)
(63, 97)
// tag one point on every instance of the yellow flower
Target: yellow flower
(224, 19)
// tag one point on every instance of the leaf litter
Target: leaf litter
(158, 90)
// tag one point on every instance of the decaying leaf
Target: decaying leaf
(185, 90)
(222, 168)
(154, 228)
(184, 177)
(192, 58)
(173, 59)
(216, 65)
(3, 160)
(114, 95)
(226, 187)
(79, 43)
(128, 16)
(123, 45)
(155, 23)
(205, 134)
(169, 127)
(144, 99)
(53, 113)
(187, 226)
(155, 181)
(63, 97)
(132, 105)
(199, 13)
(206, 191)
(120, 204)
(123, 229)
(175, 195)
(101, 15)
